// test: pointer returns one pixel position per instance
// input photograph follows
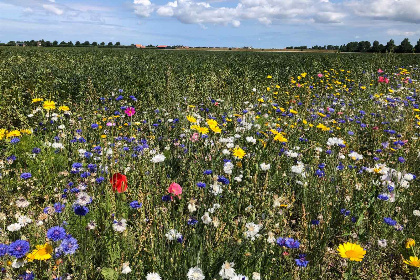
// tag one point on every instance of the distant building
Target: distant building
(20, 44)
(162, 47)
(38, 44)
(140, 46)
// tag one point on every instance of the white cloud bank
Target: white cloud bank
(290, 11)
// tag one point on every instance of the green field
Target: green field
(278, 159)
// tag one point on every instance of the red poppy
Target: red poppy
(119, 182)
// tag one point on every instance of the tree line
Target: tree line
(362, 46)
(365, 46)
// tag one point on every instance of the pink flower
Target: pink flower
(380, 71)
(381, 79)
(195, 137)
(298, 85)
(175, 189)
(340, 113)
(320, 75)
(130, 111)
(110, 124)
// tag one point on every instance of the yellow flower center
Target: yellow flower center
(353, 254)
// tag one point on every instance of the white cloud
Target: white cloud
(143, 8)
(398, 32)
(53, 9)
(282, 11)
(399, 10)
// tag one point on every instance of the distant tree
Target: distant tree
(352, 46)
(102, 43)
(63, 43)
(381, 48)
(86, 43)
(417, 47)
(405, 46)
(375, 47)
(363, 46)
(55, 43)
(117, 43)
(94, 43)
(70, 43)
(390, 46)
(48, 44)
(77, 43)
(11, 43)
(110, 44)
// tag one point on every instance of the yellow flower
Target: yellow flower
(238, 153)
(26, 131)
(35, 100)
(410, 243)
(64, 108)
(203, 130)
(323, 127)
(293, 111)
(280, 138)
(14, 133)
(103, 136)
(42, 253)
(216, 129)
(269, 77)
(261, 100)
(194, 127)
(351, 251)
(212, 122)
(3, 133)
(414, 261)
(49, 105)
(321, 115)
(191, 119)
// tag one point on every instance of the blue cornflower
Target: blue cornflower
(56, 233)
(135, 204)
(390, 221)
(223, 180)
(281, 241)
(120, 97)
(58, 207)
(99, 180)
(25, 175)
(14, 140)
(401, 159)
(291, 243)
(345, 212)
(320, 173)
(390, 188)
(180, 239)
(201, 185)
(94, 125)
(74, 190)
(208, 172)
(36, 150)
(19, 248)
(69, 245)
(315, 222)
(301, 261)
(166, 198)
(81, 210)
(27, 276)
(11, 158)
(321, 165)
(192, 221)
(3, 249)
(383, 196)
(85, 174)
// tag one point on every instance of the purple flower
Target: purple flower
(135, 204)
(56, 233)
(19, 248)
(3, 249)
(390, 221)
(69, 245)
(25, 175)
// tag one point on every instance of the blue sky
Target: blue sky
(229, 23)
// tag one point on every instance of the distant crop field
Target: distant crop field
(148, 164)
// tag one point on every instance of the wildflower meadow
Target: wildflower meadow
(128, 164)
